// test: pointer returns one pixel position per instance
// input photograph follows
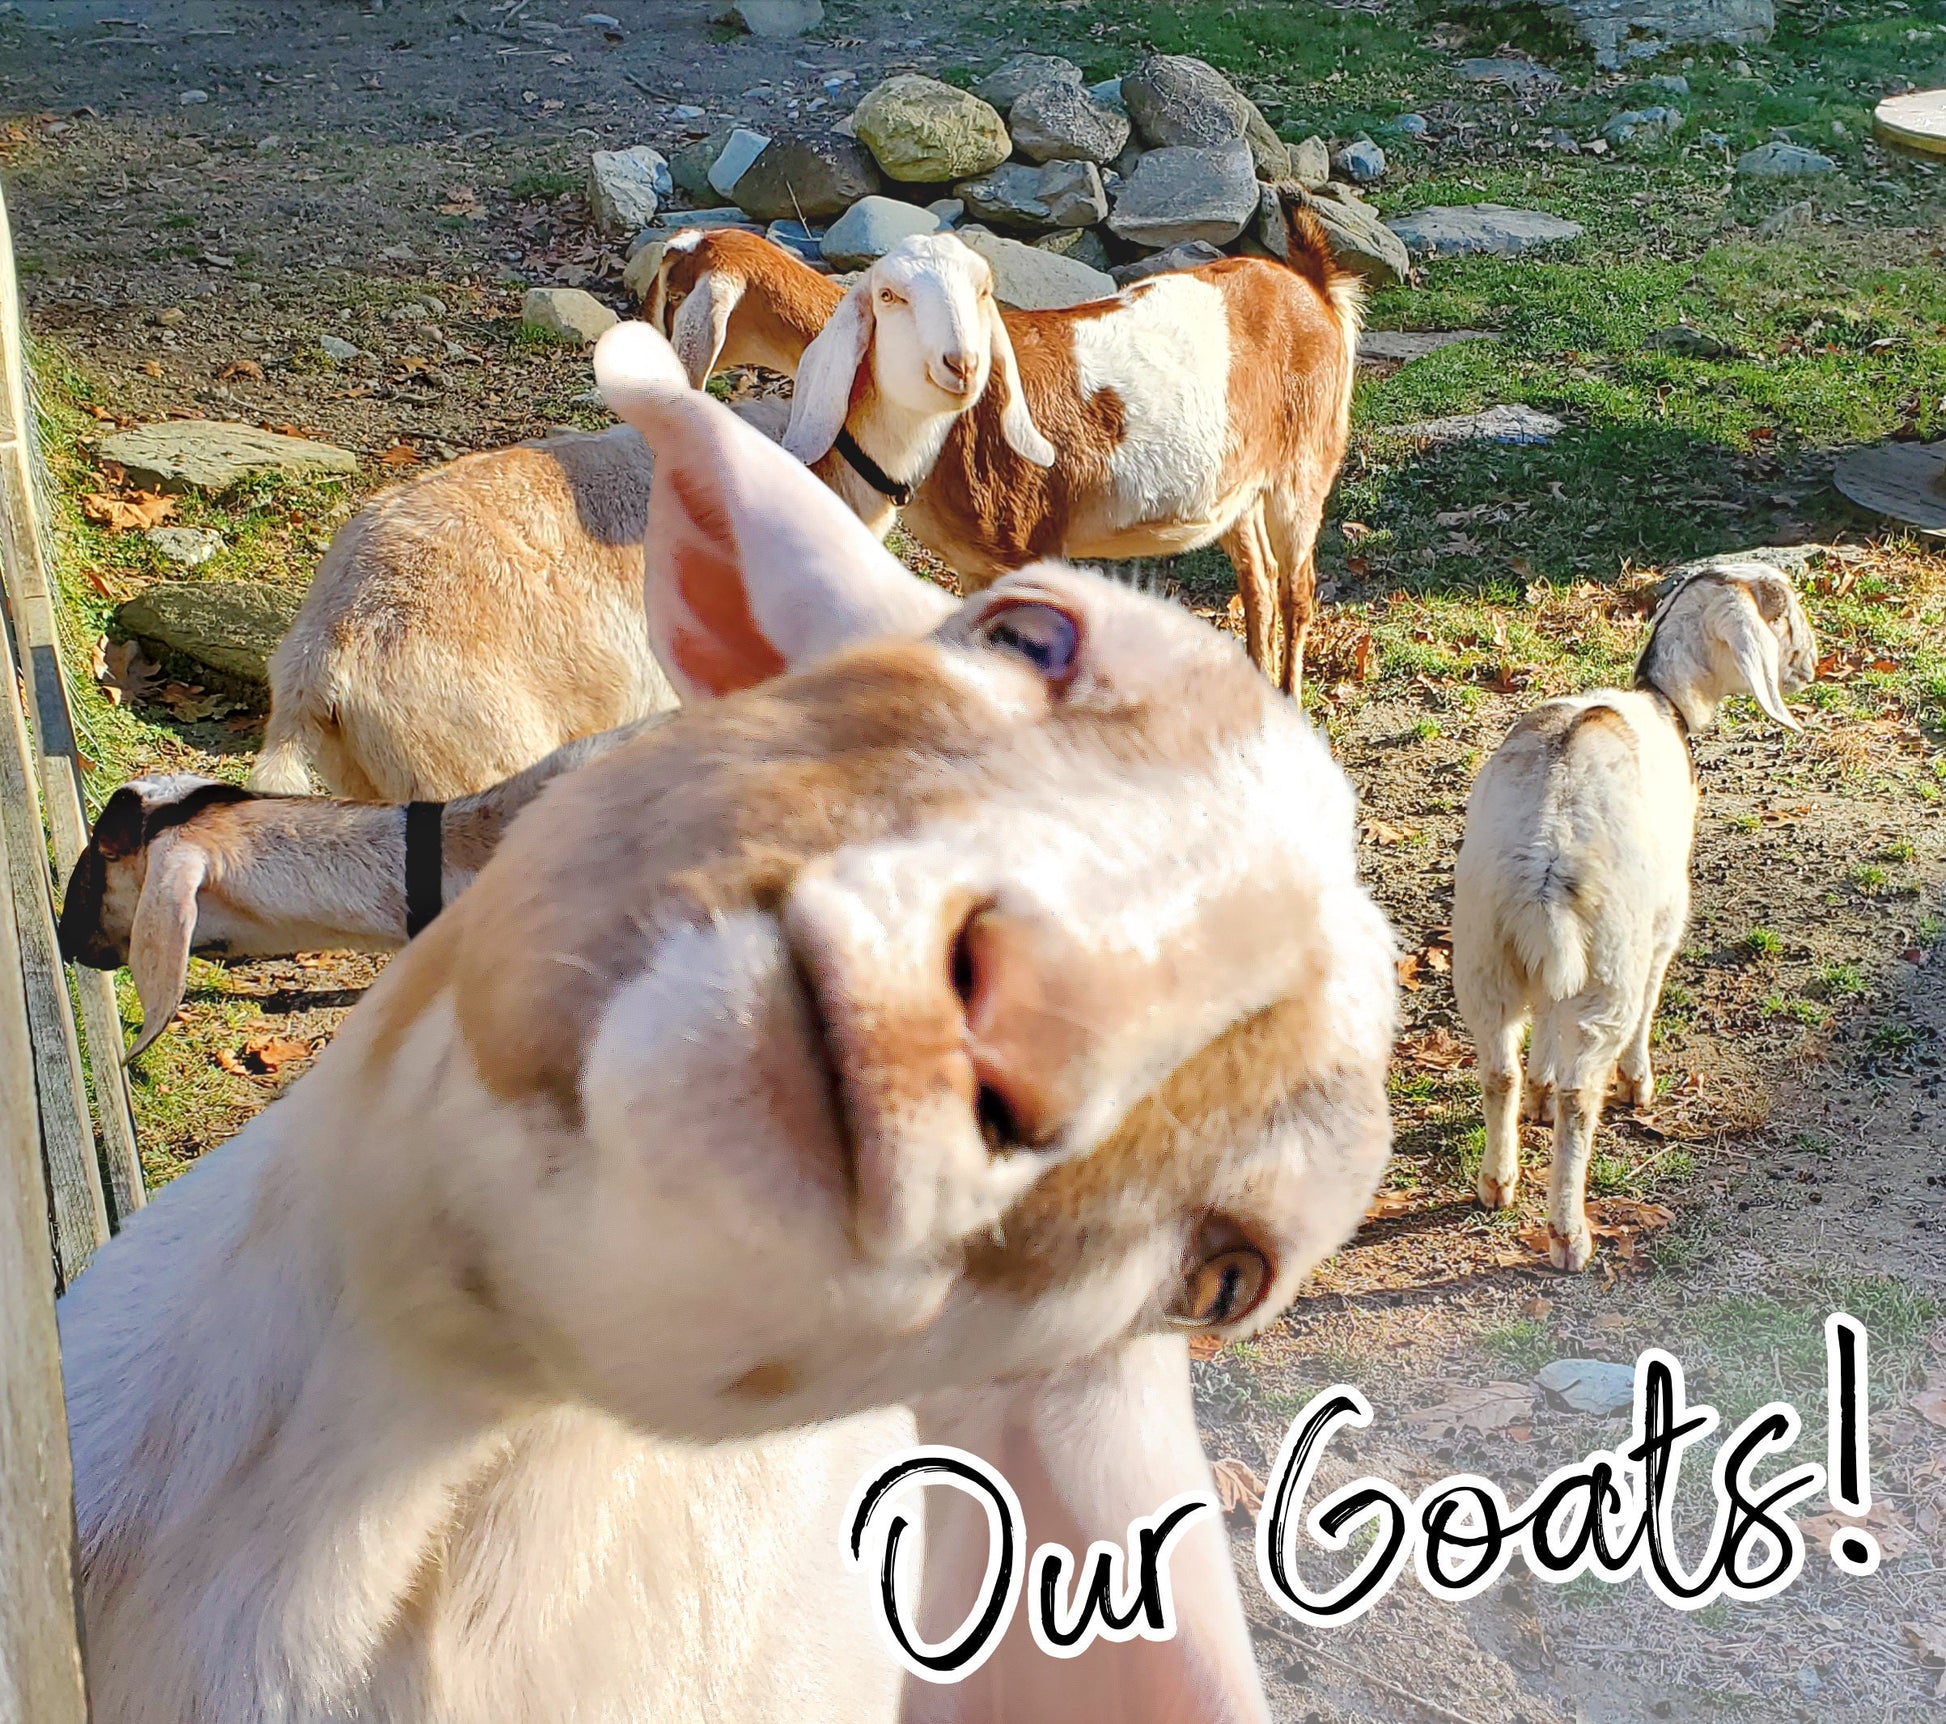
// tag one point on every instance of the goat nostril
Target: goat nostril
(998, 1126)
(965, 971)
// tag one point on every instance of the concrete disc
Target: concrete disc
(1906, 481)
(1915, 122)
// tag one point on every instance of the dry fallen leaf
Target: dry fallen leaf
(1390, 1203)
(1438, 1050)
(1409, 972)
(1893, 1535)
(267, 1052)
(1205, 1346)
(1384, 832)
(1490, 1407)
(139, 510)
(125, 674)
(1237, 1486)
(241, 368)
(399, 455)
(1931, 1406)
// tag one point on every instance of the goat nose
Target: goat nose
(1022, 1046)
(960, 364)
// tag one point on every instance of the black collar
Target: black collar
(870, 471)
(424, 865)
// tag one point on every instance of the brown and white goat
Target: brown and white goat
(467, 623)
(1206, 406)
(921, 1042)
(180, 864)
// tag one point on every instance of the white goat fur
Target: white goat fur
(1571, 891)
(257, 876)
(518, 1363)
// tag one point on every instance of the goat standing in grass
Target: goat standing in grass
(1571, 892)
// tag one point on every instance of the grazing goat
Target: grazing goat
(922, 1042)
(1572, 886)
(179, 864)
(1206, 406)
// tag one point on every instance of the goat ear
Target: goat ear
(702, 321)
(821, 396)
(1088, 1451)
(1016, 421)
(1753, 646)
(165, 926)
(118, 828)
(752, 564)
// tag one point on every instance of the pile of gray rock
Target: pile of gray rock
(1068, 189)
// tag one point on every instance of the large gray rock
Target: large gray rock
(1507, 423)
(1523, 77)
(1402, 346)
(1083, 244)
(1062, 122)
(1464, 230)
(775, 19)
(1178, 257)
(1060, 194)
(1624, 30)
(690, 166)
(215, 456)
(1014, 77)
(1589, 1386)
(1176, 100)
(626, 186)
(923, 132)
(1361, 162)
(568, 314)
(1359, 240)
(1648, 126)
(1182, 193)
(871, 228)
(186, 547)
(810, 177)
(1780, 161)
(674, 221)
(230, 628)
(1310, 162)
(736, 158)
(1029, 279)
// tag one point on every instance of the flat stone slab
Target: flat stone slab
(1503, 424)
(1465, 230)
(230, 628)
(871, 228)
(1029, 279)
(1522, 75)
(1781, 161)
(1402, 346)
(187, 547)
(217, 455)
(1589, 1386)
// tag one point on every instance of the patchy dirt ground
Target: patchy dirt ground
(397, 176)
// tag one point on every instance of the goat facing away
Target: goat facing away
(1207, 406)
(919, 1043)
(465, 624)
(1571, 892)
(179, 864)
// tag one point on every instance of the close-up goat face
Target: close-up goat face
(961, 1004)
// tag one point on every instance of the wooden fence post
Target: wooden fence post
(29, 595)
(40, 1646)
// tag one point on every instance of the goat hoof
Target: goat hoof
(1498, 1193)
(1571, 1251)
(1537, 1105)
(1637, 1091)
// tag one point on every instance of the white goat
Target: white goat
(1209, 406)
(180, 863)
(920, 1042)
(1572, 886)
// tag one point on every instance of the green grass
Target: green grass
(1523, 1345)
(1763, 943)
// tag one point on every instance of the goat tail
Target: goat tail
(1551, 942)
(290, 745)
(1308, 252)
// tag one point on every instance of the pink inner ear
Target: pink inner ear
(724, 650)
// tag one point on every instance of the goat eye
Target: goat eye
(1222, 1289)
(1047, 638)
(887, 297)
